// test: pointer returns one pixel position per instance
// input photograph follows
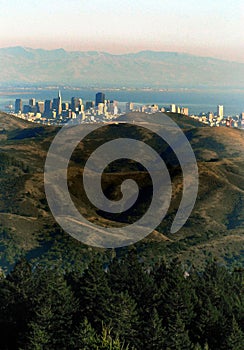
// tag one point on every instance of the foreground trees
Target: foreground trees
(122, 306)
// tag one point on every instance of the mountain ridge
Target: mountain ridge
(144, 68)
(20, 48)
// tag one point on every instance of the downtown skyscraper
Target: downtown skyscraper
(57, 104)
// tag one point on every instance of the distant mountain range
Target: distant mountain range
(146, 68)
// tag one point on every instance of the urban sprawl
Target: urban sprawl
(56, 112)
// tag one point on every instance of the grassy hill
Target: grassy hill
(214, 228)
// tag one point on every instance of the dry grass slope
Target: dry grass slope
(216, 224)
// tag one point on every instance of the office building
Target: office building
(220, 111)
(210, 116)
(76, 104)
(184, 111)
(89, 104)
(32, 102)
(173, 108)
(48, 108)
(18, 105)
(26, 109)
(100, 108)
(40, 107)
(65, 106)
(57, 104)
(113, 107)
(100, 98)
(129, 107)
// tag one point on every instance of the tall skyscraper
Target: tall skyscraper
(113, 107)
(220, 111)
(60, 103)
(89, 104)
(173, 108)
(100, 98)
(100, 108)
(65, 106)
(48, 108)
(57, 104)
(32, 102)
(40, 106)
(76, 104)
(27, 109)
(18, 105)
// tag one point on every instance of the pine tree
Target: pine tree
(235, 339)
(85, 337)
(15, 304)
(212, 308)
(129, 275)
(107, 342)
(55, 306)
(123, 318)
(207, 320)
(177, 336)
(175, 295)
(197, 347)
(40, 329)
(154, 334)
(94, 294)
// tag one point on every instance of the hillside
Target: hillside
(146, 68)
(214, 228)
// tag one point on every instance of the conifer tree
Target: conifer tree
(85, 337)
(154, 334)
(177, 336)
(107, 342)
(128, 275)
(123, 318)
(55, 306)
(235, 339)
(94, 294)
(16, 306)
(40, 329)
(176, 295)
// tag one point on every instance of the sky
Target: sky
(202, 27)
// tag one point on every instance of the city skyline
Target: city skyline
(102, 110)
(205, 28)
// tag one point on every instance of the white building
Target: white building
(220, 111)
(129, 107)
(173, 108)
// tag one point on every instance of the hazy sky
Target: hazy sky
(206, 27)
